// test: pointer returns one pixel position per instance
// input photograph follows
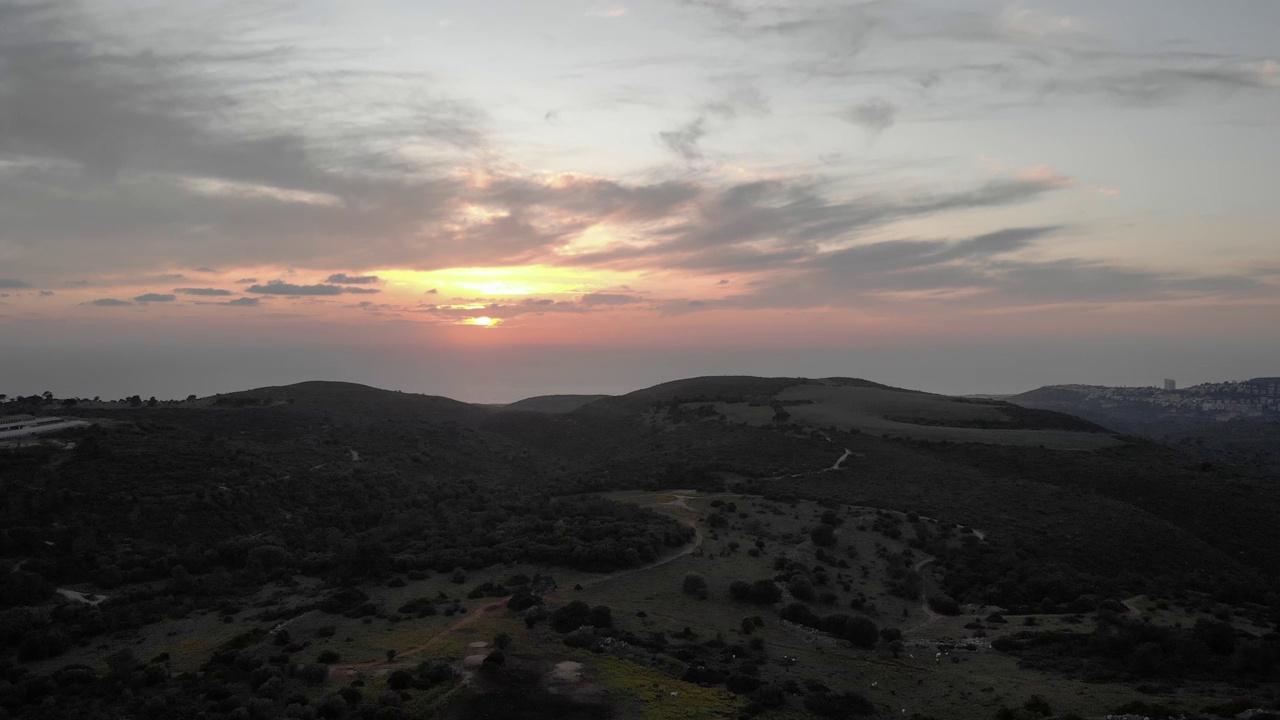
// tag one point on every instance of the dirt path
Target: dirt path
(347, 671)
(930, 617)
(845, 456)
(1132, 605)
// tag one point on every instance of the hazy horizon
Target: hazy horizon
(499, 199)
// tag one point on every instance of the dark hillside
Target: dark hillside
(552, 404)
(699, 388)
(352, 400)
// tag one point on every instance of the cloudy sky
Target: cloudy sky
(497, 198)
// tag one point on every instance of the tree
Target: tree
(765, 592)
(694, 584)
(944, 604)
(823, 535)
(801, 587)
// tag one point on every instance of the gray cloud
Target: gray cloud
(162, 154)
(246, 281)
(108, 302)
(13, 284)
(203, 292)
(46, 293)
(244, 302)
(875, 115)
(610, 299)
(973, 273)
(683, 141)
(154, 297)
(772, 223)
(345, 279)
(280, 287)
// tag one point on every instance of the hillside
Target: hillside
(776, 547)
(852, 404)
(552, 404)
(1154, 411)
(351, 400)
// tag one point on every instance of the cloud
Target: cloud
(154, 297)
(980, 273)
(203, 292)
(433, 291)
(46, 293)
(280, 287)
(244, 302)
(246, 281)
(610, 299)
(345, 279)
(875, 115)
(683, 141)
(13, 284)
(108, 302)
(198, 157)
(764, 224)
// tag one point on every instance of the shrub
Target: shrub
(694, 584)
(944, 604)
(830, 704)
(823, 535)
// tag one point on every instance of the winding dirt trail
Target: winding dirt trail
(930, 617)
(347, 671)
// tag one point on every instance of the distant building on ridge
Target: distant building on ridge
(1170, 384)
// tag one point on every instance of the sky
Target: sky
(494, 199)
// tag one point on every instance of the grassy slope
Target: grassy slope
(553, 404)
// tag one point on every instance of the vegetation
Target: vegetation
(330, 551)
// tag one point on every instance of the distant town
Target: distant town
(1256, 399)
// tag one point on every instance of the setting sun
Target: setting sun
(483, 321)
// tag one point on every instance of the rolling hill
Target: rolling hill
(551, 404)
(318, 542)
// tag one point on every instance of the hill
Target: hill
(710, 547)
(854, 404)
(1154, 411)
(351, 400)
(552, 404)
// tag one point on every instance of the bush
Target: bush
(328, 657)
(800, 587)
(694, 584)
(823, 535)
(313, 673)
(830, 704)
(399, 680)
(944, 604)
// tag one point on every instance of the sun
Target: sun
(483, 321)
